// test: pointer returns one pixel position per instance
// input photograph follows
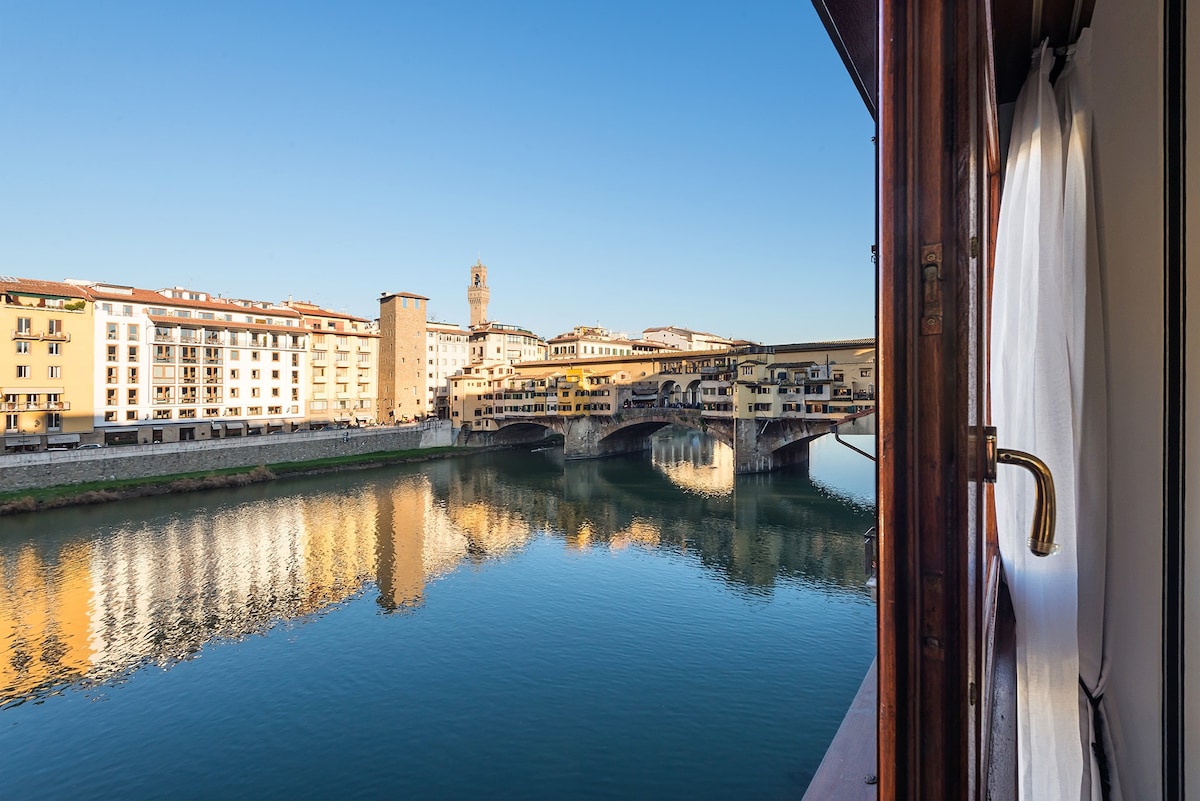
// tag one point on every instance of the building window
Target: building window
(110, 417)
(131, 414)
(133, 375)
(132, 333)
(162, 414)
(110, 375)
(54, 371)
(22, 371)
(254, 392)
(275, 375)
(274, 357)
(53, 420)
(111, 353)
(55, 348)
(11, 421)
(233, 374)
(254, 355)
(131, 396)
(254, 375)
(233, 392)
(22, 347)
(110, 397)
(234, 356)
(111, 331)
(133, 353)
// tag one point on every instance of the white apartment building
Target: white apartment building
(178, 364)
(449, 352)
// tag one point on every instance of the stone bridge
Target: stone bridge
(759, 445)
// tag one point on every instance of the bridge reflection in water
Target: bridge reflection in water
(88, 595)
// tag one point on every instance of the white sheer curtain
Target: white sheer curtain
(1089, 377)
(1034, 324)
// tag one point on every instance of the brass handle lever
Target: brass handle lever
(1045, 505)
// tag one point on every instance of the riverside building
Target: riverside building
(46, 373)
(343, 366)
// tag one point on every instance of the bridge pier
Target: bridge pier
(756, 451)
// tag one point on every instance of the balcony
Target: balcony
(25, 335)
(56, 336)
(40, 406)
(164, 336)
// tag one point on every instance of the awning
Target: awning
(234, 426)
(62, 439)
(19, 441)
(318, 422)
(216, 426)
(362, 418)
(342, 419)
(124, 430)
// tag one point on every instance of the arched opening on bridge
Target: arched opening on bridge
(691, 396)
(669, 394)
(520, 433)
(793, 453)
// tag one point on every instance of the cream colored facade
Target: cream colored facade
(685, 339)
(403, 385)
(589, 341)
(343, 361)
(46, 373)
(448, 353)
(496, 342)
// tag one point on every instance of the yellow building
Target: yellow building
(47, 372)
(343, 364)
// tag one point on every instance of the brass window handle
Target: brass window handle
(1045, 503)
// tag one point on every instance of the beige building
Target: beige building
(588, 341)
(46, 376)
(403, 382)
(343, 366)
(685, 339)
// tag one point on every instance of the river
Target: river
(503, 625)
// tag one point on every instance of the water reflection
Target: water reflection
(694, 462)
(87, 595)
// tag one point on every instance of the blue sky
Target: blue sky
(627, 164)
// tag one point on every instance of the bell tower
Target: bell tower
(477, 293)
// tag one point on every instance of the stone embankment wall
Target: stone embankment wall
(51, 468)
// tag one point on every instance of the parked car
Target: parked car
(91, 445)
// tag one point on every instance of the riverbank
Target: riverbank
(54, 497)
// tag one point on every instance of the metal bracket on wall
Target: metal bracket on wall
(931, 289)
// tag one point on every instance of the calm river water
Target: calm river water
(504, 625)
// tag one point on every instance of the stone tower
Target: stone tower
(477, 293)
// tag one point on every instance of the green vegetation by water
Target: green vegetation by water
(30, 500)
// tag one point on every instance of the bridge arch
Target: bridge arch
(523, 431)
(691, 396)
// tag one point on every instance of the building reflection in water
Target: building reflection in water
(88, 607)
(694, 462)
